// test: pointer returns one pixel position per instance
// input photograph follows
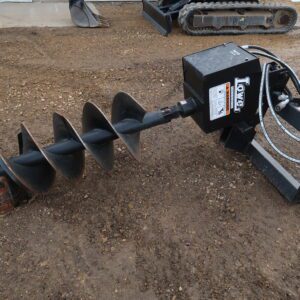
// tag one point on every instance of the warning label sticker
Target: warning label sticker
(220, 101)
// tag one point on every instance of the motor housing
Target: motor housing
(225, 82)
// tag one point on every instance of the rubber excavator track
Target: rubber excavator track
(236, 18)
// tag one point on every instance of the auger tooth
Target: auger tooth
(125, 107)
(71, 164)
(36, 176)
(93, 120)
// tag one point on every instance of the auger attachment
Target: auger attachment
(82, 15)
(225, 88)
(34, 170)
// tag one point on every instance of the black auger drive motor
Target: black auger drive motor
(225, 88)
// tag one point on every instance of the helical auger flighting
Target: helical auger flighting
(34, 170)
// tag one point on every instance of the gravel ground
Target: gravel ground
(191, 221)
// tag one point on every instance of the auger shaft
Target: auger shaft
(34, 170)
(99, 136)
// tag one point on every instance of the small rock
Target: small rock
(130, 205)
(43, 264)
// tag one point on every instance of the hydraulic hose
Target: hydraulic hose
(261, 118)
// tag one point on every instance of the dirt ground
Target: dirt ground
(191, 221)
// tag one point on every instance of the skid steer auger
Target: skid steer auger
(224, 87)
(82, 15)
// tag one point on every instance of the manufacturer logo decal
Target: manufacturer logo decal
(240, 96)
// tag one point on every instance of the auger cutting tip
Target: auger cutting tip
(34, 176)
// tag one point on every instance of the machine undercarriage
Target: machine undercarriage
(220, 17)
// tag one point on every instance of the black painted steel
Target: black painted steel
(160, 18)
(285, 183)
(124, 108)
(241, 138)
(35, 177)
(71, 165)
(35, 168)
(291, 113)
(94, 121)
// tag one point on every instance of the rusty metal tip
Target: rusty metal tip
(6, 199)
